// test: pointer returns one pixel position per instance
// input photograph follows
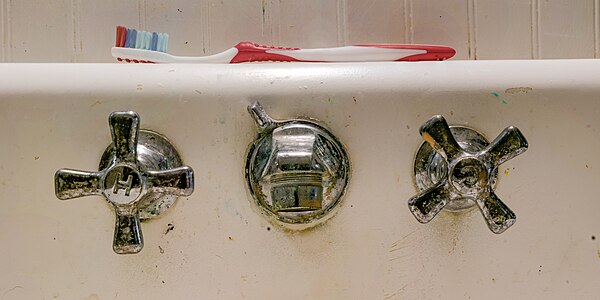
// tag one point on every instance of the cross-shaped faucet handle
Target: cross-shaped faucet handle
(466, 170)
(136, 178)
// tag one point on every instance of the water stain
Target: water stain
(98, 102)
(518, 90)
(93, 297)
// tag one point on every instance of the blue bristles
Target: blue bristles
(154, 42)
(131, 38)
(146, 40)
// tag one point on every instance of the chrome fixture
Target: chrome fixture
(456, 168)
(296, 170)
(141, 175)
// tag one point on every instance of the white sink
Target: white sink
(220, 247)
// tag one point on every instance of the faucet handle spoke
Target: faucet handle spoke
(509, 143)
(437, 133)
(498, 216)
(69, 184)
(128, 237)
(124, 128)
(178, 181)
(427, 204)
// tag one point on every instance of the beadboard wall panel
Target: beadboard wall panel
(183, 20)
(38, 30)
(90, 40)
(252, 23)
(566, 28)
(503, 29)
(308, 24)
(83, 31)
(379, 21)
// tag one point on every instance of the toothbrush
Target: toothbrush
(151, 47)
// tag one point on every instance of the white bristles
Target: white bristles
(163, 40)
(147, 40)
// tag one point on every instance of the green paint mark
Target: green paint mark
(500, 97)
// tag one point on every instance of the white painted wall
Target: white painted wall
(83, 31)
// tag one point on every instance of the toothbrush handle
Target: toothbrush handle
(249, 52)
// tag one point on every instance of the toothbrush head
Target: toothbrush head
(139, 39)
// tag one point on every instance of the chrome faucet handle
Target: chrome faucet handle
(456, 168)
(140, 175)
(297, 170)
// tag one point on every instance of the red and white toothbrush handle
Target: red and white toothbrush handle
(249, 52)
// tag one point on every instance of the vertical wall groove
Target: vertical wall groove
(205, 24)
(275, 16)
(2, 33)
(535, 29)
(76, 41)
(7, 42)
(141, 9)
(597, 28)
(266, 28)
(472, 28)
(409, 33)
(341, 22)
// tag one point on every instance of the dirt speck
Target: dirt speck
(161, 250)
(230, 238)
(354, 99)
(408, 127)
(36, 158)
(170, 227)
(268, 228)
(593, 237)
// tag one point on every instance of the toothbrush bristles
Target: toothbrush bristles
(139, 39)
